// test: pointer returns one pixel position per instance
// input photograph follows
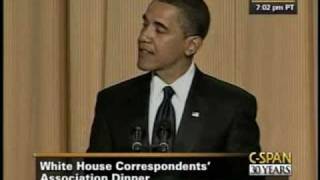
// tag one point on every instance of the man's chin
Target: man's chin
(144, 67)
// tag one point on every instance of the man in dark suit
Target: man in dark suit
(175, 100)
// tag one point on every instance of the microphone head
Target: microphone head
(138, 128)
(137, 133)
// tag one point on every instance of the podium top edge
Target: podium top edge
(146, 155)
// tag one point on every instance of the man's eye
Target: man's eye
(160, 30)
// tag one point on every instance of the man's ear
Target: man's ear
(193, 44)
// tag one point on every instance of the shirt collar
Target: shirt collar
(181, 86)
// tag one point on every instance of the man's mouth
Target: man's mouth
(145, 51)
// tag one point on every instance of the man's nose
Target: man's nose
(145, 35)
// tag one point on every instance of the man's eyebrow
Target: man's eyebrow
(161, 25)
(157, 23)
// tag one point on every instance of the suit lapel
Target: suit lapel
(191, 122)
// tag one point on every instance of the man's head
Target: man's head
(194, 16)
(173, 31)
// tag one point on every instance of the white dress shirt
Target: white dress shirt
(181, 88)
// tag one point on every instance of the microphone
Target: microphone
(137, 139)
(163, 135)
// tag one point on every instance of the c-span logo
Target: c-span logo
(270, 164)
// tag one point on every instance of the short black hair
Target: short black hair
(196, 16)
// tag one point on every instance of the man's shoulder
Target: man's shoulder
(224, 89)
(127, 86)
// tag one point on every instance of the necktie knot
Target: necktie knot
(168, 92)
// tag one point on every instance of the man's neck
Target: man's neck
(171, 75)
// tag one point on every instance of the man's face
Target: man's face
(161, 41)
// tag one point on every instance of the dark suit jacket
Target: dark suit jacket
(226, 122)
